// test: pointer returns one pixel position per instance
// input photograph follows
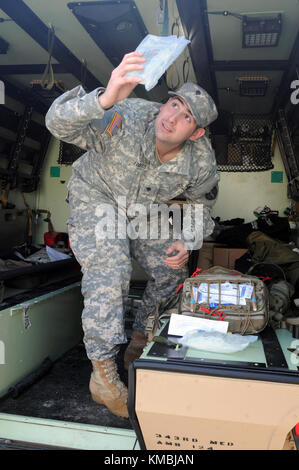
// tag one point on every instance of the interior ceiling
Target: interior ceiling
(215, 56)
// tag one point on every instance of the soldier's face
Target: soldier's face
(174, 123)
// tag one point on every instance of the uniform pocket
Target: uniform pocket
(169, 190)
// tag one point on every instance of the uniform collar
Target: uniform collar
(180, 163)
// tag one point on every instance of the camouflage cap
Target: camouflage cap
(200, 103)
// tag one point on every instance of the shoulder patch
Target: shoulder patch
(114, 125)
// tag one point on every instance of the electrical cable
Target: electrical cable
(83, 73)
(47, 81)
(186, 69)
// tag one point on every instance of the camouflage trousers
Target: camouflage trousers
(106, 268)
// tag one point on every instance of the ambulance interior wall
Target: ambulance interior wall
(239, 194)
(13, 220)
(15, 196)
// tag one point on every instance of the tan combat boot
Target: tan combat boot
(135, 348)
(107, 389)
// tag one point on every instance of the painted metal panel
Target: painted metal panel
(46, 326)
(64, 434)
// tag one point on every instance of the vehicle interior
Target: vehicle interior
(246, 55)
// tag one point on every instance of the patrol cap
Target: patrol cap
(200, 103)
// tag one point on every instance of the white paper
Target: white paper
(180, 324)
(55, 255)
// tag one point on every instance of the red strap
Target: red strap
(264, 278)
(196, 273)
(180, 286)
(221, 316)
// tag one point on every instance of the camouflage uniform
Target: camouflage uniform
(121, 161)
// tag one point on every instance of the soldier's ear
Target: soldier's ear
(197, 134)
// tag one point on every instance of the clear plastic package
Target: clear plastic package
(160, 52)
(214, 341)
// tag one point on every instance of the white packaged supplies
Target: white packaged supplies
(214, 341)
(160, 52)
(230, 294)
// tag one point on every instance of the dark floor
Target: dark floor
(63, 394)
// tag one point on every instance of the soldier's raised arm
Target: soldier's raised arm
(119, 86)
(71, 114)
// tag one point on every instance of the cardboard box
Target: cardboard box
(227, 256)
(206, 255)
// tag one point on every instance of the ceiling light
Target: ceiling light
(261, 32)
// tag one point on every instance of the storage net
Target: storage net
(248, 147)
(68, 153)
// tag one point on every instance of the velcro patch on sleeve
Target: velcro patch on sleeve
(114, 125)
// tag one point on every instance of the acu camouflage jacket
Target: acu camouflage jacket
(121, 160)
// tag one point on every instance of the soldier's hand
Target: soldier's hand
(180, 258)
(119, 87)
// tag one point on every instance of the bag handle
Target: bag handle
(267, 264)
(221, 270)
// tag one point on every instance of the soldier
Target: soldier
(137, 152)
